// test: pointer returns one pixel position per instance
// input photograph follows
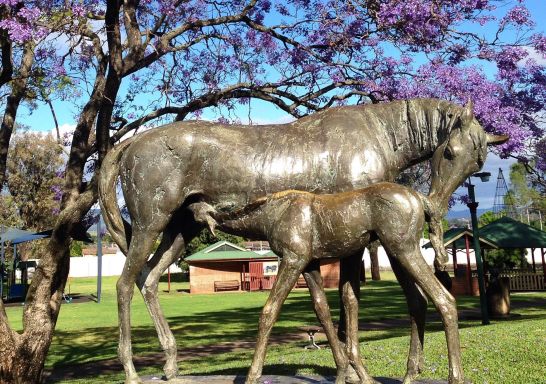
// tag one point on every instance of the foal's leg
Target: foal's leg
(169, 250)
(141, 244)
(417, 306)
(412, 261)
(314, 282)
(290, 268)
(350, 292)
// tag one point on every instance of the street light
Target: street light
(473, 206)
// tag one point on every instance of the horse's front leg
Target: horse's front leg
(350, 293)
(417, 306)
(316, 288)
(290, 268)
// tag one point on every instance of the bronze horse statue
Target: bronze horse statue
(303, 228)
(166, 169)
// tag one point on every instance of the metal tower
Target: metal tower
(504, 201)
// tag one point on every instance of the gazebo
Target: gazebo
(512, 234)
(16, 236)
(455, 240)
(504, 233)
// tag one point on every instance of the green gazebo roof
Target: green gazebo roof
(509, 233)
(456, 235)
(225, 251)
(503, 233)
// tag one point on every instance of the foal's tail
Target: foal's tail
(433, 215)
(119, 229)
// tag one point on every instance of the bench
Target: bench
(226, 285)
(301, 283)
(311, 330)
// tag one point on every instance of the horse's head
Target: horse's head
(459, 156)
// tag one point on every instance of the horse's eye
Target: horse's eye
(448, 154)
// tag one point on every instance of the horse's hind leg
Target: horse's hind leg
(141, 245)
(414, 263)
(417, 306)
(169, 250)
(314, 282)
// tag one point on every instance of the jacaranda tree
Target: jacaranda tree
(132, 63)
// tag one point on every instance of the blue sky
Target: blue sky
(41, 120)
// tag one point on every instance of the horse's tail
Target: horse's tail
(107, 196)
(433, 215)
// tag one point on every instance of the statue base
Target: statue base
(269, 379)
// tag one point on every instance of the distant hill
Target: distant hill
(464, 214)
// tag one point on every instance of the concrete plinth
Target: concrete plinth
(269, 379)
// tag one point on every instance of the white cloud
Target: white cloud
(260, 121)
(535, 55)
(64, 128)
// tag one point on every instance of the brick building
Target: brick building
(225, 266)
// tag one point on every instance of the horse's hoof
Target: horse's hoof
(340, 378)
(409, 378)
(133, 380)
(351, 377)
(458, 380)
(170, 371)
(251, 380)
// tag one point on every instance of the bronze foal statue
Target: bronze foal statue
(303, 228)
(166, 169)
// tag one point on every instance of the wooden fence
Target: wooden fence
(525, 280)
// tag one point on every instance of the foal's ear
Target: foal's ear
(496, 139)
(468, 113)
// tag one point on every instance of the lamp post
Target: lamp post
(99, 260)
(473, 205)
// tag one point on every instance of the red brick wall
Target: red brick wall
(203, 275)
(329, 270)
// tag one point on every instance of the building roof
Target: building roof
(509, 233)
(11, 234)
(226, 251)
(504, 233)
(455, 236)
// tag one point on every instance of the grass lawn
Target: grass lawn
(508, 351)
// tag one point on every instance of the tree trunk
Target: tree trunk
(373, 248)
(22, 356)
(18, 90)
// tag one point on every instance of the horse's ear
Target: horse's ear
(496, 139)
(468, 113)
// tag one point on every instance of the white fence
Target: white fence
(112, 265)
(428, 254)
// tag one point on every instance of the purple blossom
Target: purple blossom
(519, 15)
(89, 220)
(540, 150)
(57, 192)
(539, 43)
